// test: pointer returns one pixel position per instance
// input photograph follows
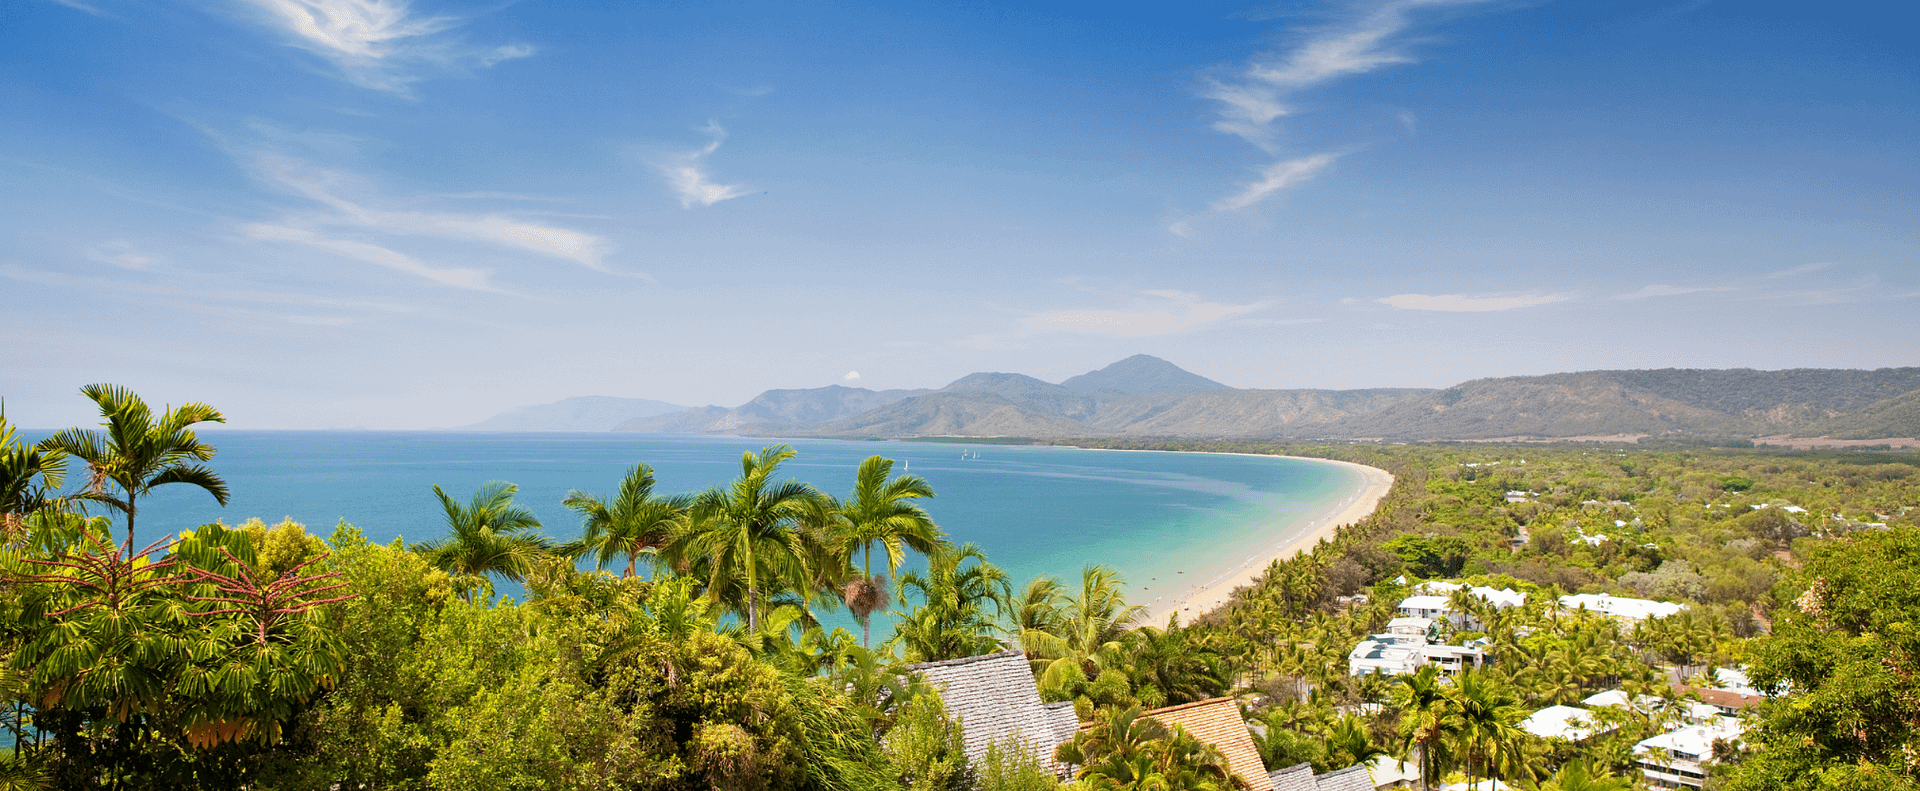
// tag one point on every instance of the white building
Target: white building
(1620, 608)
(1407, 646)
(1679, 759)
(1647, 705)
(1563, 722)
(1430, 601)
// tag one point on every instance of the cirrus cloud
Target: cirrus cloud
(1461, 303)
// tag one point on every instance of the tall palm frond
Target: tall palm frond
(637, 522)
(139, 451)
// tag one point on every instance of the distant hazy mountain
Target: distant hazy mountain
(581, 413)
(1739, 402)
(1141, 374)
(771, 408)
(1895, 417)
(1144, 396)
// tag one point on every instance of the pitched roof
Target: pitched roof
(1217, 721)
(1562, 722)
(994, 698)
(1720, 697)
(1300, 777)
(1352, 778)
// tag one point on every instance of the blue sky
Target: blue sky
(343, 213)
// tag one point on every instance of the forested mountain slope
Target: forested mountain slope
(1144, 396)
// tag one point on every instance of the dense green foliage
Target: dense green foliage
(265, 657)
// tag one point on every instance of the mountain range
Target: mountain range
(1144, 396)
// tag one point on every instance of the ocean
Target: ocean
(1164, 520)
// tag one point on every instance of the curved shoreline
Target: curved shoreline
(1203, 597)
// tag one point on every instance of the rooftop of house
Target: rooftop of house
(1638, 609)
(995, 699)
(1217, 721)
(1300, 777)
(1691, 743)
(1724, 698)
(1562, 722)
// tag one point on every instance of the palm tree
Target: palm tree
(491, 535)
(755, 528)
(1575, 776)
(637, 522)
(1168, 668)
(137, 451)
(952, 619)
(1426, 723)
(27, 474)
(1487, 717)
(881, 511)
(1087, 629)
(1349, 743)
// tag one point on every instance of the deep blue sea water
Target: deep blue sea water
(1164, 519)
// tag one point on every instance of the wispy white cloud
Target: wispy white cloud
(1460, 303)
(688, 174)
(472, 279)
(100, 284)
(122, 255)
(1663, 290)
(1799, 270)
(1151, 313)
(79, 6)
(328, 187)
(377, 43)
(852, 376)
(1274, 178)
(1252, 101)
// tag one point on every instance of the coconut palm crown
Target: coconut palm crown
(636, 522)
(756, 532)
(490, 535)
(139, 451)
(881, 511)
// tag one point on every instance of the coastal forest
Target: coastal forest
(678, 643)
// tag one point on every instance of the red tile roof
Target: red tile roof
(1720, 697)
(1218, 722)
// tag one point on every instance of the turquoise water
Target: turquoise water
(1035, 510)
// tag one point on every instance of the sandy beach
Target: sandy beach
(1201, 597)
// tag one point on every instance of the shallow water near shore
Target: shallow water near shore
(1165, 520)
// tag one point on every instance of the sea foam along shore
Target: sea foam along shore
(1375, 483)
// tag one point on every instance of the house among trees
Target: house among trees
(1680, 758)
(994, 698)
(1300, 777)
(1570, 723)
(1409, 644)
(1620, 608)
(1217, 721)
(1435, 599)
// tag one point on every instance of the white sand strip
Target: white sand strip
(1202, 597)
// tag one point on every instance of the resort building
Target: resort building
(1680, 758)
(1563, 722)
(1727, 702)
(1431, 601)
(1620, 608)
(1217, 721)
(1648, 706)
(994, 698)
(1410, 644)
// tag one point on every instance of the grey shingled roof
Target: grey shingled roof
(1300, 777)
(994, 698)
(1352, 778)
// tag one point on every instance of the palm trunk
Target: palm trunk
(866, 619)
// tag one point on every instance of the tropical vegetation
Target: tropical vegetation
(265, 656)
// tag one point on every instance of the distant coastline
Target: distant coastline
(1259, 550)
